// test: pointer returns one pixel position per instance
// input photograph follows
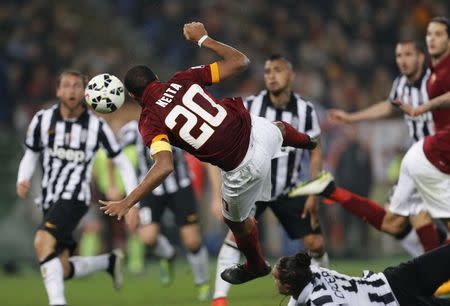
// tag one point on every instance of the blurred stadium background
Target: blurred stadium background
(342, 52)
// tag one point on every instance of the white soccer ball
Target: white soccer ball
(104, 93)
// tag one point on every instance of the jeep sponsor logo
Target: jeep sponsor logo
(76, 156)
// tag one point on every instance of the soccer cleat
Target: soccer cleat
(321, 185)
(238, 274)
(166, 271)
(222, 301)
(204, 292)
(444, 289)
(115, 268)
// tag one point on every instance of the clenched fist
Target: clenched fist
(194, 31)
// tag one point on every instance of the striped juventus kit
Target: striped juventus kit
(329, 287)
(68, 149)
(178, 179)
(302, 116)
(414, 95)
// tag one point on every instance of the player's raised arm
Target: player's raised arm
(382, 109)
(233, 61)
(442, 101)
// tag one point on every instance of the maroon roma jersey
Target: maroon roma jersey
(437, 147)
(182, 111)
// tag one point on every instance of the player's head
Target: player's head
(438, 37)
(70, 88)
(278, 74)
(410, 57)
(292, 273)
(137, 79)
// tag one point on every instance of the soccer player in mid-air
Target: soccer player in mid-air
(298, 215)
(67, 136)
(221, 132)
(410, 283)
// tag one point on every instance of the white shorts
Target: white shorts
(433, 185)
(251, 180)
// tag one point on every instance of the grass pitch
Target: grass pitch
(27, 289)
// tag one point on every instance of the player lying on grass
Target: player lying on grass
(410, 283)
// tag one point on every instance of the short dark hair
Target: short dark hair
(420, 48)
(137, 79)
(73, 72)
(442, 20)
(295, 271)
(277, 56)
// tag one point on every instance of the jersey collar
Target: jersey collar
(148, 92)
(290, 106)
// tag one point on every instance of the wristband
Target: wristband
(201, 40)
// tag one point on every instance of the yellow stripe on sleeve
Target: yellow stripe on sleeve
(160, 137)
(215, 77)
(159, 146)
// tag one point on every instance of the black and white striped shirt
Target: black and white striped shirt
(414, 95)
(302, 116)
(68, 148)
(178, 179)
(329, 287)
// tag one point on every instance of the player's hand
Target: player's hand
(408, 109)
(338, 116)
(311, 210)
(22, 189)
(194, 31)
(115, 208)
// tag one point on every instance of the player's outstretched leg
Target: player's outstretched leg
(229, 255)
(111, 263)
(247, 240)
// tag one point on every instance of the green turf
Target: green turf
(28, 290)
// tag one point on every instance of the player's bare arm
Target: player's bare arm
(382, 109)
(162, 167)
(442, 101)
(233, 61)
(315, 166)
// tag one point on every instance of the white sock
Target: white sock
(53, 275)
(84, 265)
(229, 255)
(200, 265)
(411, 244)
(321, 261)
(163, 248)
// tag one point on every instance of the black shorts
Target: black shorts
(415, 281)
(182, 204)
(61, 219)
(289, 212)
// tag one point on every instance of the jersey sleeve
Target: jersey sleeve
(153, 134)
(203, 75)
(33, 139)
(312, 127)
(107, 140)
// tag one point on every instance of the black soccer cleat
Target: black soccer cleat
(238, 274)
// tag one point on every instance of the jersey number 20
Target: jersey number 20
(190, 111)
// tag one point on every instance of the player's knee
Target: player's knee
(281, 126)
(314, 244)
(148, 238)
(44, 244)
(192, 244)
(421, 219)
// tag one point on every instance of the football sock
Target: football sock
(163, 248)
(294, 138)
(251, 248)
(199, 264)
(135, 254)
(364, 208)
(428, 237)
(53, 275)
(411, 244)
(89, 244)
(84, 265)
(320, 260)
(229, 255)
